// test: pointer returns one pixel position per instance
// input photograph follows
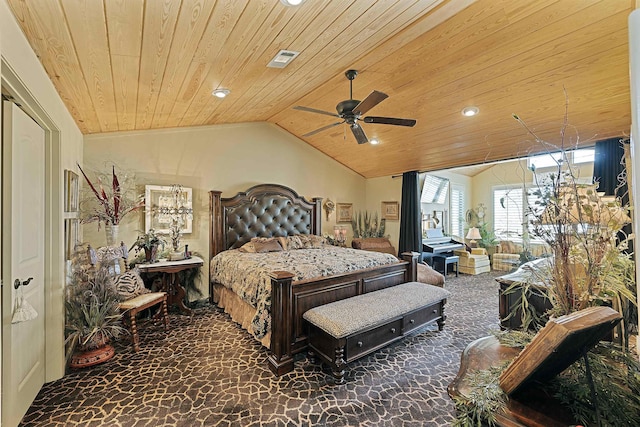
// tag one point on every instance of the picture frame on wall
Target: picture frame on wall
(344, 212)
(71, 191)
(71, 236)
(156, 196)
(391, 211)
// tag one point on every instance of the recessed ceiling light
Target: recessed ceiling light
(470, 111)
(221, 93)
(292, 2)
(374, 141)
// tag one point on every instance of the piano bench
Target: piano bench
(441, 263)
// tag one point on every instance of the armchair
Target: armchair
(474, 262)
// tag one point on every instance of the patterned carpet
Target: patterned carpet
(206, 371)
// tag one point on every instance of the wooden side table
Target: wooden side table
(170, 284)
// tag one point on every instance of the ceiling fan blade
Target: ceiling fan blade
(369, 102)
(390, 121)
(313, 132)
(313, 110)
(358, 132)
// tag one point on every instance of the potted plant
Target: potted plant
(93, 318)
(149, 242)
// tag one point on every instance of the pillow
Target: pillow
(294, 242)
(270, 245)
(306, 241)
(315, 242)
(129, 285)
(248, 247)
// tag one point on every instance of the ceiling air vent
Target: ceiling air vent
(282, 59)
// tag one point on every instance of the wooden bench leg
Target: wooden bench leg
(338, 365)
(165, 313)
(134, 330)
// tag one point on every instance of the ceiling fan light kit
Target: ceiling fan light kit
(351, 110)
(221, 93)
(470, 111)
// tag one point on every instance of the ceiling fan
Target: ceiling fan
(351, 110)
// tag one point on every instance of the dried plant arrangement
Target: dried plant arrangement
(367, 225)
(591, 264)
(108, 204)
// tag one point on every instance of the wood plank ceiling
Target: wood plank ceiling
(134, 64)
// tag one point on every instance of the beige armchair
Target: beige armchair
(474, 262)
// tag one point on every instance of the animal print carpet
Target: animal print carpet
(206, 371)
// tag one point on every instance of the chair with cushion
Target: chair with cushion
(134, 299)
(474, 262)
(133, 295)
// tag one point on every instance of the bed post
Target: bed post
(280, 359)
(412, 258)
(215, 231)
(316, 221)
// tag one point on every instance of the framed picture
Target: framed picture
(71, 236)
(391, 211)
(344, 212)
(157, 197)
(71, 191)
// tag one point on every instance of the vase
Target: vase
(111, 232)
(151, 254)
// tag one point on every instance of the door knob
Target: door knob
(17, 283)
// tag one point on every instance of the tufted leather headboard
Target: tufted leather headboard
(264, 210)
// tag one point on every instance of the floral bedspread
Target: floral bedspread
(247, 274)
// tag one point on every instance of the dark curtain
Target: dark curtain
(608, 165)
(410, 232)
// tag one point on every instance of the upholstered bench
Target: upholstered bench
(130, 308)
(343, 331)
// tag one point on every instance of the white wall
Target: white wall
(634, 59)
(66, 149)
(229, 158)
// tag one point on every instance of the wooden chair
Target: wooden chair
(130, 309)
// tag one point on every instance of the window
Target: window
(434, 189)
(584, 155)
(544, 160)
(508, 211)
(457, 211)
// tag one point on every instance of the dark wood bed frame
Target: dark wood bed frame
(289, 299)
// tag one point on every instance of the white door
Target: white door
(23, 223)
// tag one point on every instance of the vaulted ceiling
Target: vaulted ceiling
(134, 64)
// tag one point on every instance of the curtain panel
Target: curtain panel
(410, 232)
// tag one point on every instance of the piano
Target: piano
(437, 243)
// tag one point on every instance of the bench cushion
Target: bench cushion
(141, 300)
(345, 317)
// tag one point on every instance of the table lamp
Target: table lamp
(473, 234)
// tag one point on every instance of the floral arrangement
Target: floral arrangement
(148, 240)
(108, 205)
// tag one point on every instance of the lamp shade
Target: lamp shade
(474, 234)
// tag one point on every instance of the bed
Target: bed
(271, 210)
